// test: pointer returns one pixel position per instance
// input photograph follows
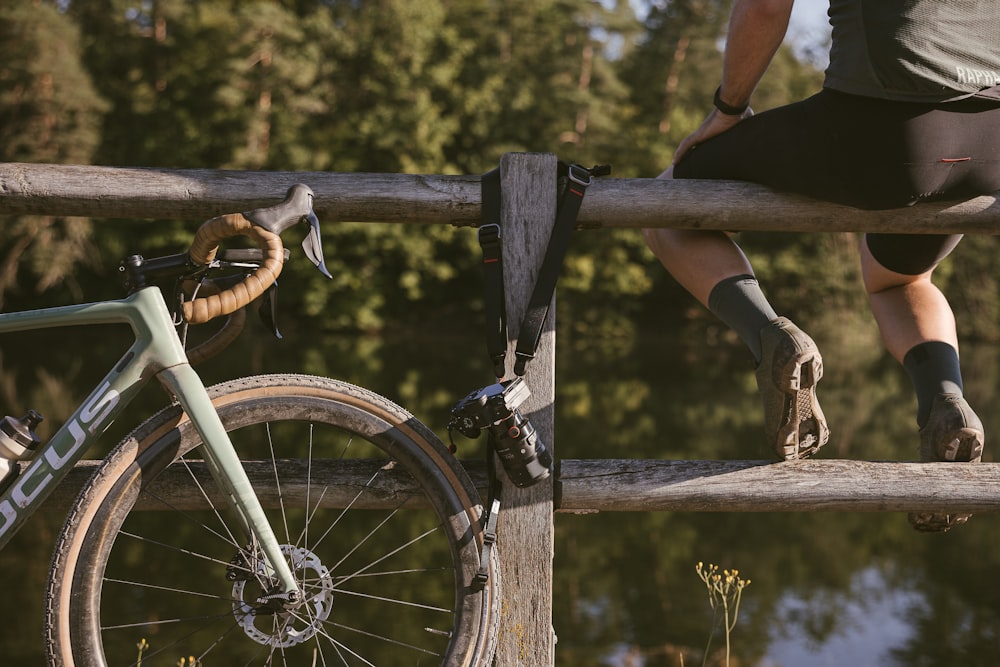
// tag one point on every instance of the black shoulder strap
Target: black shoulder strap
(495, 302)
(578, 179)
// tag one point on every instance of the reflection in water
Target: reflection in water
(626, 591)
(874, 620)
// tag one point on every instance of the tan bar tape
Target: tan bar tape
(203, 250)
(221, 339)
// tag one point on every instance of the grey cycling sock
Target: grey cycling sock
(739, 302)
(934, 369)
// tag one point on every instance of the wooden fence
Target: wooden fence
(527, 212)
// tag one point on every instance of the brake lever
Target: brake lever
(297, 207)
(268, 310)
(312, 245)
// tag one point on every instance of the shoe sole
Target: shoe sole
(805, 429)
(965, 447)
(927, 522)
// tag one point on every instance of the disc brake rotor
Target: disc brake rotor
(283, 628)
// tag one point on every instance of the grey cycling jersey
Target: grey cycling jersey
(915, 50)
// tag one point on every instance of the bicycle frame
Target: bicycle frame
(156, 352)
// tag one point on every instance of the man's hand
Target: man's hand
(716, 123)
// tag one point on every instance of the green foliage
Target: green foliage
(443, 86)
(49, 112)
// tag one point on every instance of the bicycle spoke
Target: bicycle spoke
(177, 549)
(365, 538)
(204, 495)
(388, 573)
(184, 591)
(395, 601)
(162, 621)
(383, 638)
(303, 538)
(277, 480)
(179, 641)
(309, 462)
(218, 641)
(388, 555)
(345, 510)
(191, 519)
(340, 645)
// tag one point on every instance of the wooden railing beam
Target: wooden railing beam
(820, 485)
(198, 194)
(621, 485)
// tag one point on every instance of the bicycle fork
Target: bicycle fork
(227, 470)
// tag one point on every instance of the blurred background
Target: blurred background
(447, 87)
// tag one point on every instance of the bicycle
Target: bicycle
(263, 559)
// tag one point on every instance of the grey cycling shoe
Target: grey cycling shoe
(953, 433)
(789, 369)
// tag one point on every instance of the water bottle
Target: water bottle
(18, 442)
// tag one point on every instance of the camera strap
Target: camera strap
(577, 180)
(492, 246)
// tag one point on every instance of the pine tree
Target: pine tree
(49, 112)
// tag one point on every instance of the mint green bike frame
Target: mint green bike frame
(156, 352)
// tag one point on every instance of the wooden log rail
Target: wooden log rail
(622, 485)
(527, 212)
(193, 194)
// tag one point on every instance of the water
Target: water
(875, 616)
(827, 589)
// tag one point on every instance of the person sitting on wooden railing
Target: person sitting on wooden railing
(909, 112)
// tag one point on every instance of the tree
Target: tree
(49, 112)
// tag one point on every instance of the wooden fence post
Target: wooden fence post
(526, 533)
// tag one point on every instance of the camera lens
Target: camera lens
(521, 452)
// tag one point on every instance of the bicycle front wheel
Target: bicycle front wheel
(380, 524)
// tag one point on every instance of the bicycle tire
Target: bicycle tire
(377, 580)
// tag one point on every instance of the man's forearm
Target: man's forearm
(756, 30)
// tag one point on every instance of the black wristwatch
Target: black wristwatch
(728, 109)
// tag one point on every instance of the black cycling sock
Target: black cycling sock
(934, 369)
(739, 302)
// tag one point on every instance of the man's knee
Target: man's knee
(885, 266)
(910, 254)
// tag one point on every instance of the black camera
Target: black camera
(494, 408)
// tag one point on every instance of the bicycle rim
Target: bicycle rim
(379, 523)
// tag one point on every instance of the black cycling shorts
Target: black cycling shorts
(867, 153)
